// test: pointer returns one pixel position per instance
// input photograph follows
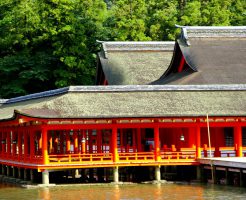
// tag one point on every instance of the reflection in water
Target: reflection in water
(116, 192)
(44, 194)
(125, 192)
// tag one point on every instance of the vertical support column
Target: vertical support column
(32, 145)
(61, 142)
(8, 170)
(139, 140)
(2, 169)
(45, 146)
(100, 173)
(241, 178)
(157, 143)
(50, 142)
(198, 142)
(9, 142)
(76, 143)
(25, 174)
(14, 172)
(19, 173)
(14, 143)
(114, 144)
(25, 145)
(134, 145)
(227, 176)
(55, 142)
(198, 173)
(90, 141)
(20, 145)
(99, 141)
(45, 177)
(32, 175)
(214, 174)
(238, 140)
(1, 142)
(116, 174)
(68, 143)
(158, 173)
(122, 147)
(83, 145)
(40, 143)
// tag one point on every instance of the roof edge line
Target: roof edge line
(212, 27)
(149, 88)
(37, 95)
(128, 88)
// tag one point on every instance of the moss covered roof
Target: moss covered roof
(215, 55)
(132, 101)
(135, 63)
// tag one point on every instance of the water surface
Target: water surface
(124, 192)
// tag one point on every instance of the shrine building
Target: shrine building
(155, 104)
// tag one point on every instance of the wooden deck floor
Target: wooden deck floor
(236, 162)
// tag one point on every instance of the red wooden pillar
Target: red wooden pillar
(114, 144)
(99, 141)
(32, 144)
(45, 146)
(139, 142)
(19, 144)
(122, 143)
(76, 143)
(25, 145)
(68, 142)
(61, 142)
(9, 142)
(83, 142)
(90, 141)
(238, 140)
(55, 142)
(1, 139)
(157, 143)
(198, 142)
(40, 143)
(14, 140)
(50, 142)
(134, 140)
(191, 137)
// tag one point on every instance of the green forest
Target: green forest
(48, 44)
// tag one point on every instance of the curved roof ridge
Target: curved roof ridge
(211, 32)
(109, 46)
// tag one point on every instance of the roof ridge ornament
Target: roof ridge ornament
(184, 35)
(104, 49)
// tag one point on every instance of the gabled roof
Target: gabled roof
(213, 55)
(134, 63)
(130, 101)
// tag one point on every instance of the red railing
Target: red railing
(178, 155)
(36, 159)
(81, 158)
(137, 157)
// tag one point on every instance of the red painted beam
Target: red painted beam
(181, 64)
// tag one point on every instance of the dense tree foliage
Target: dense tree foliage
(46, 44)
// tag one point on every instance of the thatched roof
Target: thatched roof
(130, 101)
(134, 63)
(213, 55)
(213, 81)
